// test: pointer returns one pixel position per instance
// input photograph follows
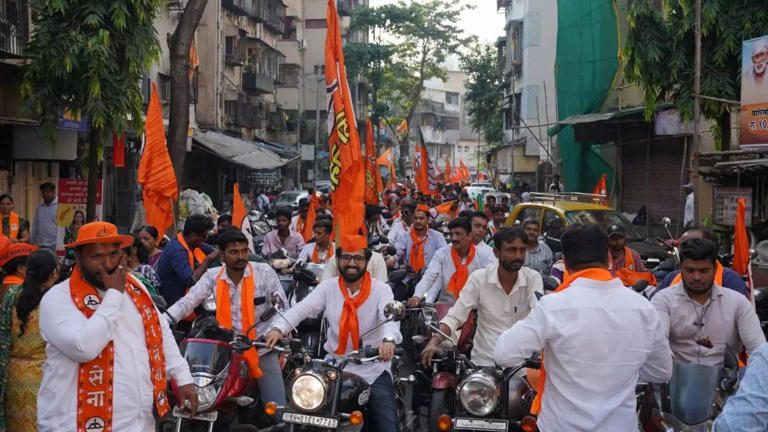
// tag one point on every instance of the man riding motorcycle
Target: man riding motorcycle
(282, 237)
(700, 317)
(418, 248)
(402, 226)
(234, 285)
(502, 293)
(354, 303)
(320, 250)
(451, 266)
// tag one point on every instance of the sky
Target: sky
(484, 21)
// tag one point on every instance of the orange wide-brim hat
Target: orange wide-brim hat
(100, 232)
(14, 251)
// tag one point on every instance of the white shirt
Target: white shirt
(688, 216)
(398, 228)
(727, 318)
(598, 338)
(73, 339)
(265, 283)
(441, 269)
(327, 298)
(305, 255)
(377, 267)
(497, 311)
(294, 223)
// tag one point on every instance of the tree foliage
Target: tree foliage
(660, 51)
(87, 57)
(411, 42)
(484, 91)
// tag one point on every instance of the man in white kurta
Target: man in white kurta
(337, 299)
(74, 339)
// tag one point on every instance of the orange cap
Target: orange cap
(424, 208)
(100, 232)
(352, 243)
(15, 251)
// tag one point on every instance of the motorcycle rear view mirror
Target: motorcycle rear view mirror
(209, 304)
(394, 311)
(277, 301)
(391, 250)
(268, 314)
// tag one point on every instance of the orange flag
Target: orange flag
(448, 169)
(740, 240)
(601, 188)
(402, 127)
(422, 177)
(347, 165)
(386, 160)
(373, 184)
(463, 171)
(238, 208)
(156, 174)
(194, 59)
(309, 224)
(481, 176)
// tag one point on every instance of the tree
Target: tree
(421, 36)
(484, 91)
(178, 121)
(660, 54)
(87, 57)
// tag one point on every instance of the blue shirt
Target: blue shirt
(731, 280)
(176, 276)
(435, 240)
(747, 410)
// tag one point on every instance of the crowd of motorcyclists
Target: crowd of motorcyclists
(295, 331)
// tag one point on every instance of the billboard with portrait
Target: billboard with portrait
(754, 92)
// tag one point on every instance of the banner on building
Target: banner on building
(72, 198)
(754, 92)
(725, 205)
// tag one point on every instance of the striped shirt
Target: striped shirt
(540, 259)
(434, 241)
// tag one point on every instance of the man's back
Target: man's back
(598, 338)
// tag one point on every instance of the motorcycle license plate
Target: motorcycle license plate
(480, 424)
(285, 278)
(310, 420)
(209, 416)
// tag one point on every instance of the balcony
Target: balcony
(14, 28)
(245, 112)
(234, 51)
(271, 13)
(258, 82)
(345, 7)
(239, 7)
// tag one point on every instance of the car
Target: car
(476, 191)
(556, 214)
(482, 184)
(289, 199)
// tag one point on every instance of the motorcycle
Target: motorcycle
(489, 398)
(311, 330)
(323, 397)
(258, 226)
(221, 375)
(283, 263)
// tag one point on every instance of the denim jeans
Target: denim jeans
(382, 407)
(271, 387)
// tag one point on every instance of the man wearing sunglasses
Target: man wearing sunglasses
(353, 304)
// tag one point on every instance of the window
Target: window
(451, 98)
(165, 88)
(527, 213)
(290, 29)
(315, 24)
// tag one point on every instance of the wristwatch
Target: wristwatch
(390, 340)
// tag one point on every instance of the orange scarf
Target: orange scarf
(461, 274)
(316, 259)
(96, 377)
(629, 260)
(13, 226)
(194, 256)
(417, 251)
(718, 275)
(628, 275)
(596, 274)
(247, 313)
(13, 280)
(348, 324)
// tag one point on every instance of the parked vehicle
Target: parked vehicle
(289, 199)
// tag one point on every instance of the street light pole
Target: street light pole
(317, 122)
(697, 115)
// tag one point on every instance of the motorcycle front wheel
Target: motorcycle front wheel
(441, 403)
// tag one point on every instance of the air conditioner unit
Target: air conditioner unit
(302, 44)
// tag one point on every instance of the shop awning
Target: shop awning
(241, 151)
(598, 117)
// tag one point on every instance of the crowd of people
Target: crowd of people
(90, 349)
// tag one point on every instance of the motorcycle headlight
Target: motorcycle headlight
(208, 390)
(479, 394)
(308, 391)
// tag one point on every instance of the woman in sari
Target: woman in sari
(70, 232)
(22, 348)
(149, 236)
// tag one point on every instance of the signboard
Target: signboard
(266, 177)
(307, 152)
(669, 122)
(724, 205)
(72, 198)
(754, 92)
(73, 121)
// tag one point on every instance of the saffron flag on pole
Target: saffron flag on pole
(309, 224)
(238, 207)
(741, 242)
(420, 167)
(156, 174)
(347, 167)
(373, 184)
(402, 127)
(463, 171)
(448, 170)
(601, 188)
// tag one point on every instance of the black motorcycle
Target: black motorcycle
(323, 397)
